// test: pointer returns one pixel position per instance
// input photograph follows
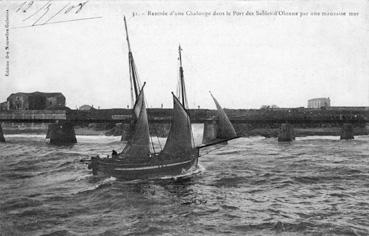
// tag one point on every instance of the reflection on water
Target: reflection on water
(255, 186)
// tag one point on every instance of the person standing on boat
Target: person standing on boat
(114, 154)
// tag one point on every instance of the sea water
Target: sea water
(252, 186)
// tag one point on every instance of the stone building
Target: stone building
(4, 106)
(35, 101)
(54, 100)
(319, 102)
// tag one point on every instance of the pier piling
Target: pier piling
(347, 131)
(2, 139)
(61, 133)
(210, 131)
(286, 133)
(127, 130)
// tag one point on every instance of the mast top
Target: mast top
(125, 25)
(180, 55)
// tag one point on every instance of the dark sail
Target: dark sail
(225, 128)
(219, 129)
(138, 146)
(180, 140)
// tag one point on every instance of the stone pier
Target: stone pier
(286, 133)
(2, 139)
(210, 131)
(347, 131)
(61, 133)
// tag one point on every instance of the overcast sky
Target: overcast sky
(246, 61)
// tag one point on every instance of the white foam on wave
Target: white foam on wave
(80, 138)
(319, 138)
(25, 135)
(107, 180)
(94, 138)
(192, 171)
(82, 177)
(250, 138)
(361, 137)
(96, 186)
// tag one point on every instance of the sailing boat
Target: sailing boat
(220, 130)
(136, 161)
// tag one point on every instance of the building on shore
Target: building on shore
(86, 108)
(4, 106)
(319, 103)
(35, 101)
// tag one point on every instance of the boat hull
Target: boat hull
(118, 169)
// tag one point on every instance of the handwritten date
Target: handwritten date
(48, 11)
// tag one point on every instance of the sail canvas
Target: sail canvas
(225, 129)
(180, 140)
(138, 147)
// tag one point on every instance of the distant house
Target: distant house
(86, 108)
(4, 106)
(35, 101)
(54, 99)
(319, 103)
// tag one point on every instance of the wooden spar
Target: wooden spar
(217, 142)
(132, 69)
(127, 37)
(181, 76)
(180, 55)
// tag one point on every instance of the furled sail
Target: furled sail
(138, 146)
(134, 80)
(221, 130)
(135, 86)
(180, 141)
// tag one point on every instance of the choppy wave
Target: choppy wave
(188, 174)
(252, 186)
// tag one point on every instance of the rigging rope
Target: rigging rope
(214, 149)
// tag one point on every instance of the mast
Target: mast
(181, 79)
(127, 37)
(132, 68)
(138, 145)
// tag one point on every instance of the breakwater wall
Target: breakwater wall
(247, 122)
(266, 122)
(295, 115)
(157, 115)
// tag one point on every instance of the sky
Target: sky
(246, 61)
